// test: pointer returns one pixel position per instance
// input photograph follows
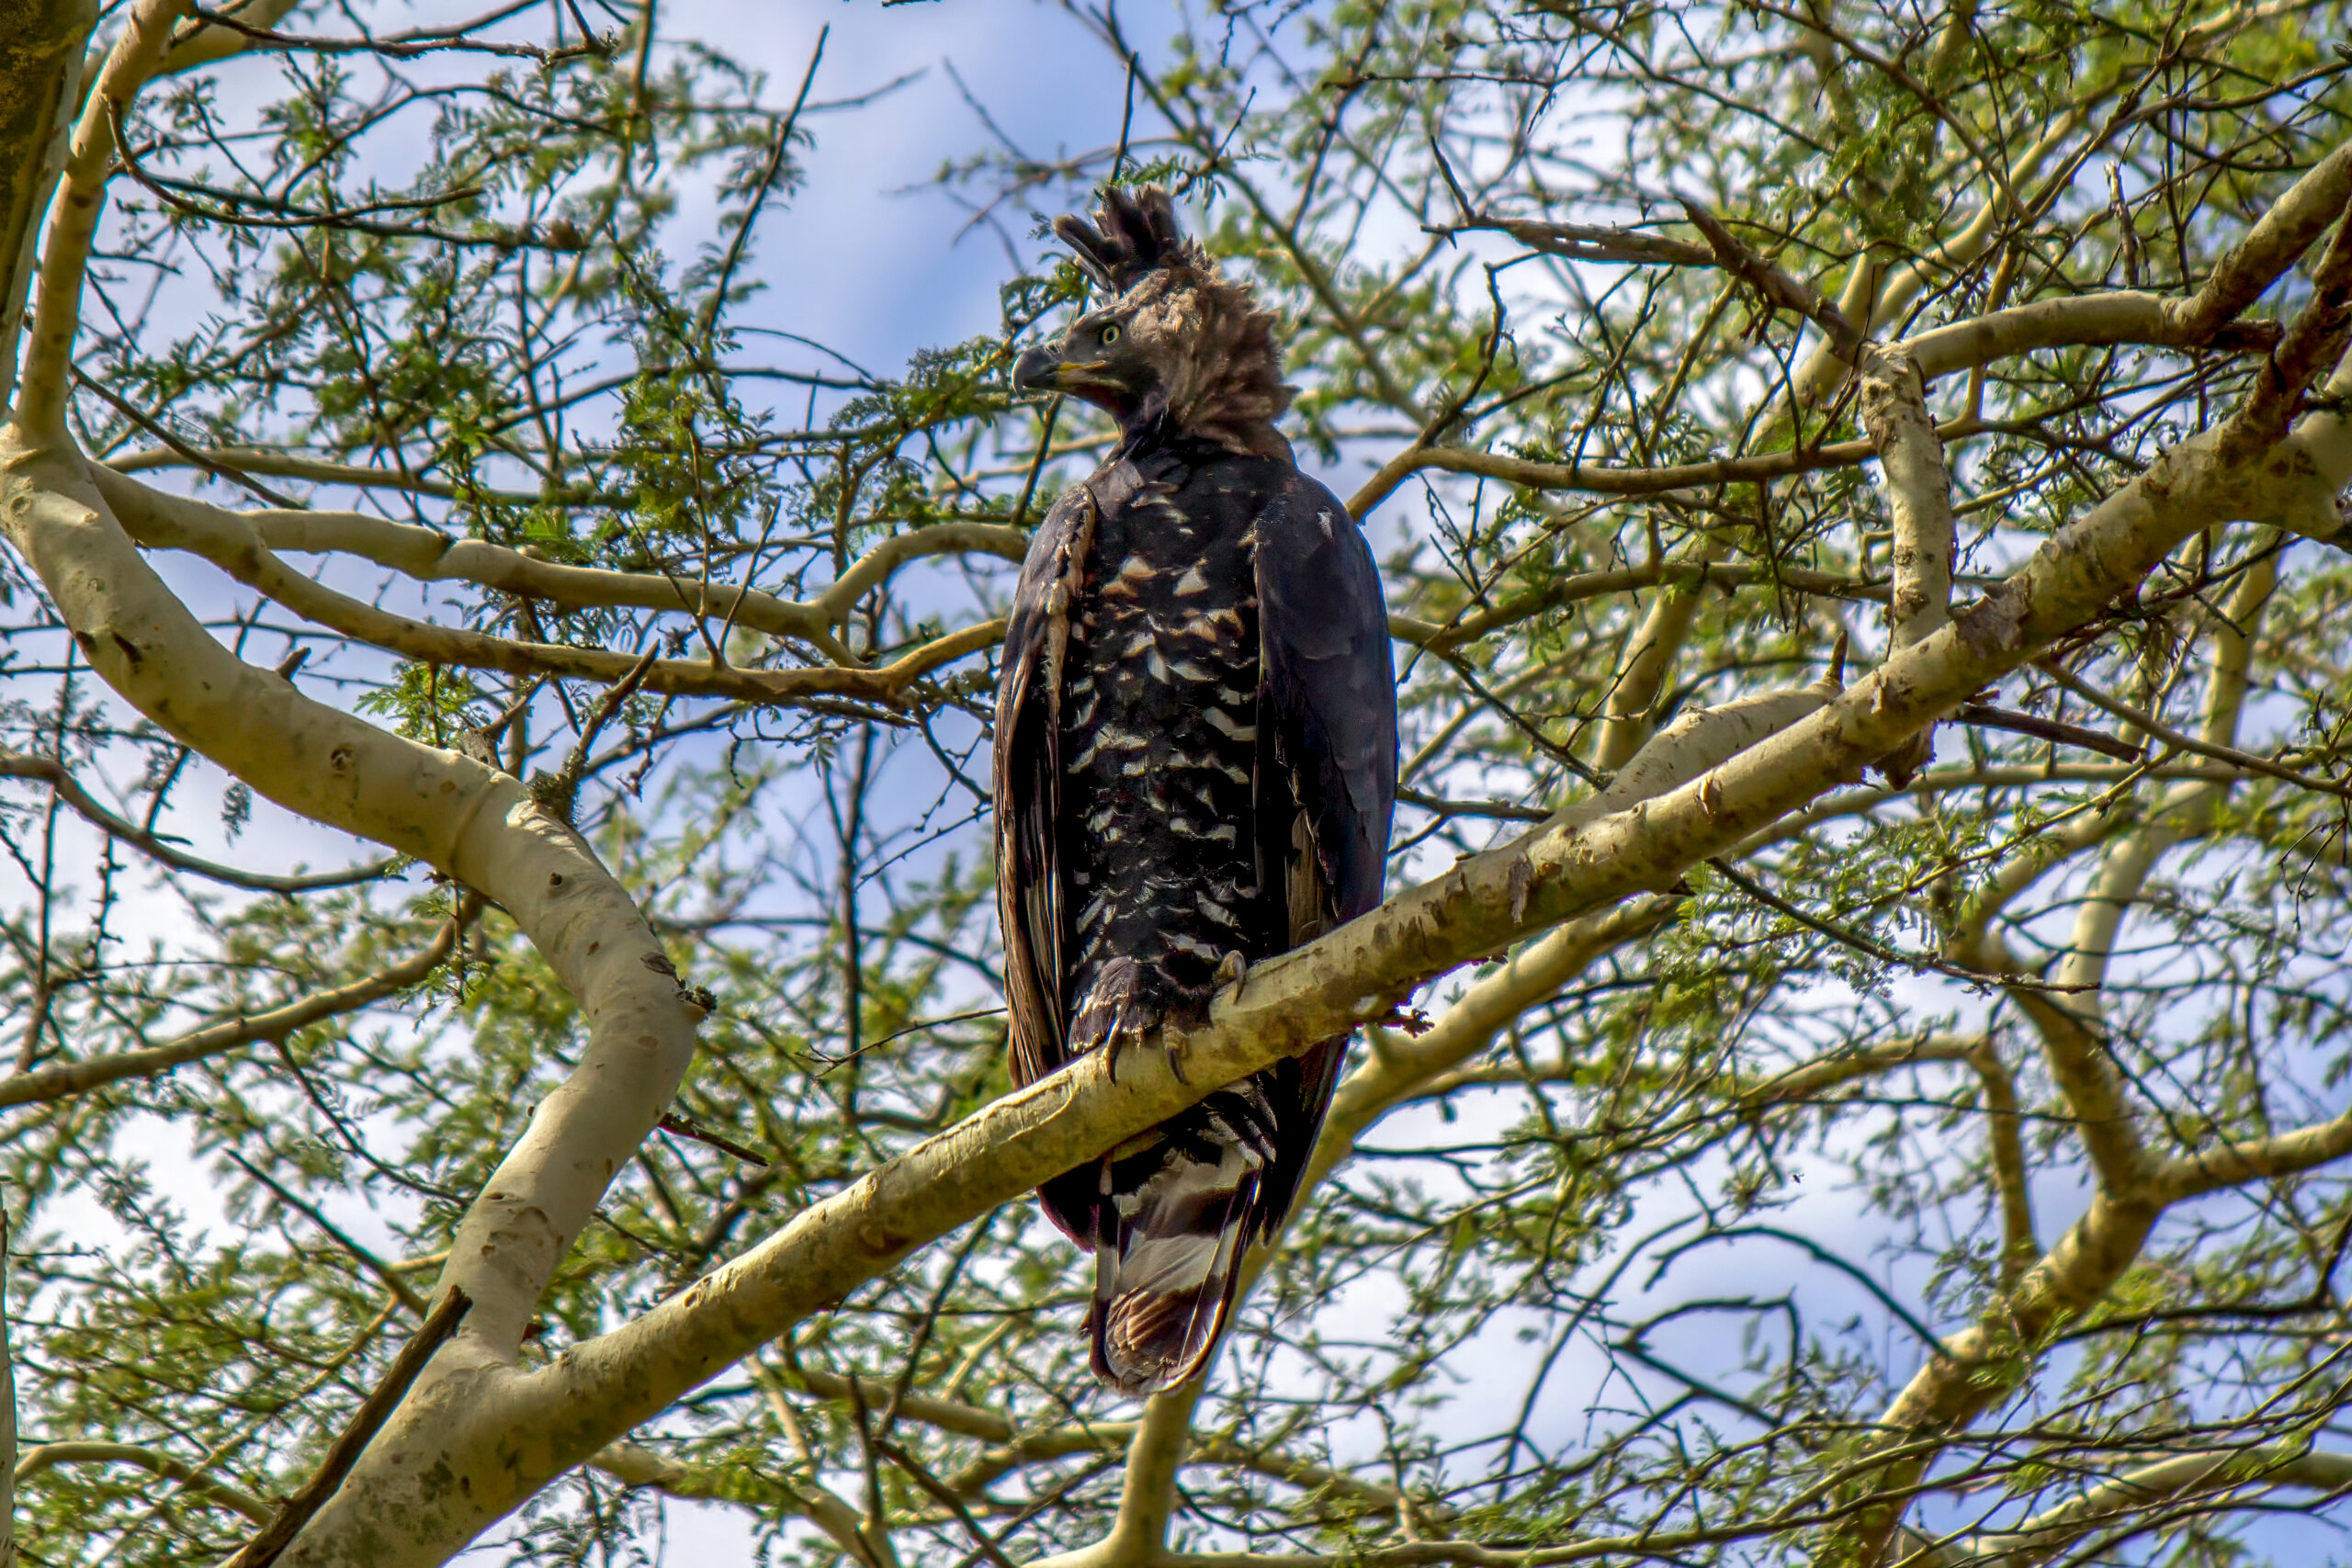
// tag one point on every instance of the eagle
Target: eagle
(1194, 767)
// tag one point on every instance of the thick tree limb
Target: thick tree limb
(2254, 1160)
(2084, 321)
(1894, 402)
(137, 53)
(2289, 228)
(478, 825)
(41, 43)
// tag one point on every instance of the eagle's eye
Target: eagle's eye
(1110, 333)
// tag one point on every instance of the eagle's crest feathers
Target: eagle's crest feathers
(1131, 237)
(1219, 364)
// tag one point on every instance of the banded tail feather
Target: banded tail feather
(1179, 1208)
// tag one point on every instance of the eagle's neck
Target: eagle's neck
(1226, 386)
(1236, 431)
(1246, 437)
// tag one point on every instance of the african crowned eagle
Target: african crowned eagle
(1195, 767)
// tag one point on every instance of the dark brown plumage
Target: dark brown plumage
(1195, 767)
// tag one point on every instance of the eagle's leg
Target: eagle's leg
(1230, 971)
(1116, 1011)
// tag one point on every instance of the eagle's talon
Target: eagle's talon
(1174, 1046)
(1231, 970)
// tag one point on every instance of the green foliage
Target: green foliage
(532, 345)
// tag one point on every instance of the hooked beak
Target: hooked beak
(1043, 369)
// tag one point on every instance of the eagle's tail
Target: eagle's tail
(1177, 1214)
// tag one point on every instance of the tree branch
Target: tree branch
(1650, 654)
(50, 771)
(2045, 1536)
(357, 1433)
(11, 1469)
(41, 80)
(48, 1456)
(229, 540)
(1894, 404)
(478, 825)
(430, 556)
(137, 54)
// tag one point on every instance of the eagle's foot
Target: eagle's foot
(1231, 970)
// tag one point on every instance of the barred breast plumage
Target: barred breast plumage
(1159, 737)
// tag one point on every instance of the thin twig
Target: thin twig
(1878, 951)
(1981, 716)
(686, 1126)
(2162, 731)
(373, 1410)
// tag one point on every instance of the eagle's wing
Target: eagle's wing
(1327, 706)
(1026, 777)
(1326, 751)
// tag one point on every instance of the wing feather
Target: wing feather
(1026, 780)
(1327, 766)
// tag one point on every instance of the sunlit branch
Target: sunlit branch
(428, 555)
(2231, 1477)
(229, 540)
(320, 470)
(137, 53)
(36, 119)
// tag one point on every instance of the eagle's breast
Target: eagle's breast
(1159, 748)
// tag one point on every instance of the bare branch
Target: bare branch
(228, 541)
(48, 1456)
(1918, 491)
(138, 53)
(49, 770)
(357, 1433)
(37, 92)
(2241, 1474)
(79, 1077)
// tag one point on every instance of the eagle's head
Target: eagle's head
(1180, 342)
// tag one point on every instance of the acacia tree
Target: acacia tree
(1851, 1068)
